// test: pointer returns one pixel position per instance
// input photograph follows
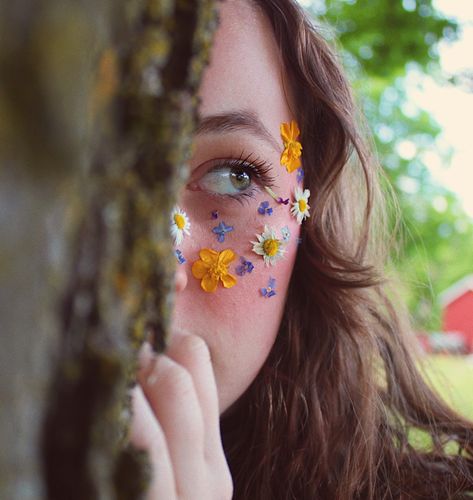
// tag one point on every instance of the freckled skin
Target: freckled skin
(238, 324)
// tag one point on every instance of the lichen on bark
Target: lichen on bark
(119, 289)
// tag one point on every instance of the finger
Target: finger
(146, 434)
(191, 352)
(171, 393)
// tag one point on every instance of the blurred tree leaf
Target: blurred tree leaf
(384, 43)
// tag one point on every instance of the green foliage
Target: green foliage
(383, 42)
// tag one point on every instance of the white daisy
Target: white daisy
(180, 225)
(269, 246)
(300, 207)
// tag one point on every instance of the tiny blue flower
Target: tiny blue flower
(180, 258)
(300, 175)
(269, 291)
(286, 234)
(221, 230)
(245, 267)
(264, 208)
(282, 201)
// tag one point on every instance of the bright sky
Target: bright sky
(451, 106)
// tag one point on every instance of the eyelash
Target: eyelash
(258, 169)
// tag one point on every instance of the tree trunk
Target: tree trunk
(98, 106)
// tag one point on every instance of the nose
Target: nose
(180, 278)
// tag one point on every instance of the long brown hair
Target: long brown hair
(330, 413)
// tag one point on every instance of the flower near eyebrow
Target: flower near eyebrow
(269, 246)
(291, 156)
(212, 268)
(180, 225)
(221, 230)
(300, 207)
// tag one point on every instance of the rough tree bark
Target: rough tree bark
(98, 106)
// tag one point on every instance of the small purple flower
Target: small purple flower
(282, 201)
(265, 209)
(180, 258)
(245, 267)
(269, 291)
(300, 175)
(214, 214)
(221, 230)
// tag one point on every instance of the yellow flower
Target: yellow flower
(291, 156)
(212, 268)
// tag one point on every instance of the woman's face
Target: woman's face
(236, 154)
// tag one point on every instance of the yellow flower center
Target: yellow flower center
(271, 247)
(179, 221)
(218, 270)
(302, 205)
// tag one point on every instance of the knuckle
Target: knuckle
(176, 379)
(191, 346)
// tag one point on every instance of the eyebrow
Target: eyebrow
(234, 121)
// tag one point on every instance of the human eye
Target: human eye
(235, 177)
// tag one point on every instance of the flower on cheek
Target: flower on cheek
(300, 208)
(275, 197)
(221, 230)
(291, 156)
(180, 258)
(286, 234)
(245, 267)
(269, 246)
(212, 268)
(270, 290)
(265, 209)
(180, 225)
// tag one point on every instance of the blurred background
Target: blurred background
(411, 64)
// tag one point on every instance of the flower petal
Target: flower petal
(209, 283)
(228, 280)
(294, 130)
(208, 256)
(226, 256)
(285, 131)
(199, 269)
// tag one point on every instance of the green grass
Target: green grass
(452, 377)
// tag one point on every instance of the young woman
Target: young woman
(289, 374)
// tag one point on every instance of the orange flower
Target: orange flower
(290, 157)
(212, 268)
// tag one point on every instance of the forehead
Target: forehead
(245, 70)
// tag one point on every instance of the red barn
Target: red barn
(457, 303)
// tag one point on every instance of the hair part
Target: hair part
(331, 412)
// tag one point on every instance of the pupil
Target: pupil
(240, 179)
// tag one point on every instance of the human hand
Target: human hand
(176, 420)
